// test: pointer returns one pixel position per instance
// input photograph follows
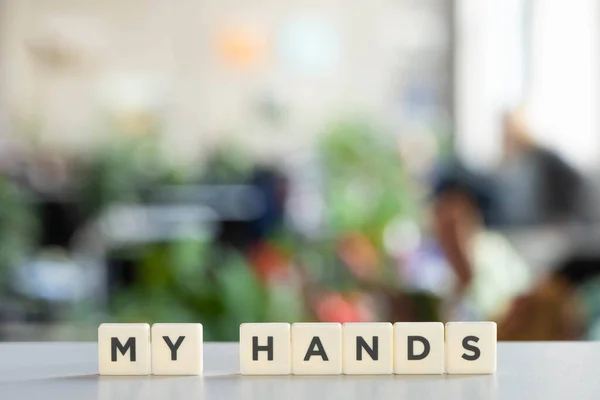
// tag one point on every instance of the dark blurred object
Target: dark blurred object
(455, 177)
(537, 186)
(580, 268)
(59, 221)
(271, 188)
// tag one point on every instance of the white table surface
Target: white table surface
(525, 371)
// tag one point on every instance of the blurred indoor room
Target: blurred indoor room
(221, 162)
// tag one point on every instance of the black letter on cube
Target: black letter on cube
(256, 348)
(373, 352)
(320, 351)
(411, 349)
(467, 346)
(174, 347)
(116, 345)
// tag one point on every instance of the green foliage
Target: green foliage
(177, 283)
(365, 187)
(228, 164)
(18, 227)
(120, 171)
(366, 184)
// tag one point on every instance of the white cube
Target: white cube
(177, 349)
(471, 347)
(124, 349)
(368, 348)
(419, 348)
(316, 348)
(265, 349)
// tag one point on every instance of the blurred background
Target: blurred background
(226, 161)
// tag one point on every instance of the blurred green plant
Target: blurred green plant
(120, 171)
(182, 282)
(18, 226)
(365, 187)
(365, 181)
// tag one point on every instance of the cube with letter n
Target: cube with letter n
(368, 348)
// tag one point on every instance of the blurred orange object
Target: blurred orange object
(269, 262)
(359, 254)
(241, 47)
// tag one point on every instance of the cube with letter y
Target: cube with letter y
(177, 349)
(265, 349)
(124, 349)
(471, 347)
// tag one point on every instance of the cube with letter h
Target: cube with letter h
(265, 349)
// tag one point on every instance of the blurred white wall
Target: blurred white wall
(542, 53)
(490, 65)
(565, 84)
(70, 63)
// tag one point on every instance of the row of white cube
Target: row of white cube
(368, 348)
(126, 349)
(306, 348)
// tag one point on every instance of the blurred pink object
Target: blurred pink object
(334, 307)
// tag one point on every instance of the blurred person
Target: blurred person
(488, 272)
(537, 186)
(565, 305)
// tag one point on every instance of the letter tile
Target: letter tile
(124, 349)
(265, 349)
(368, 348)
(419, 348)
(177, 349)
(471, 347)
(316, 348)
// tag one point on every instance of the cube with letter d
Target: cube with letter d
(419, 348)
